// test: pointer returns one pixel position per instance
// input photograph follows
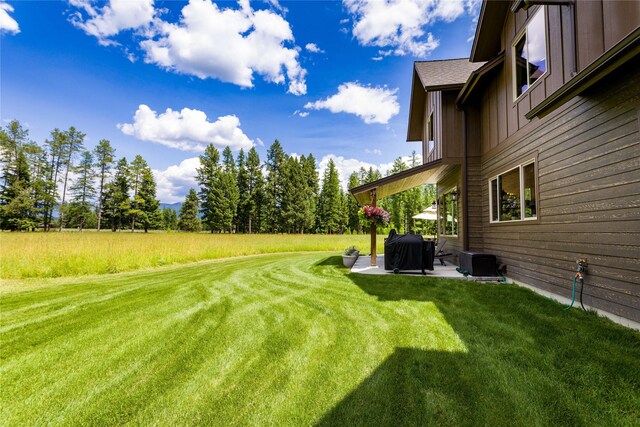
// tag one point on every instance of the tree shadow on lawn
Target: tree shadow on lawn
(528, 362)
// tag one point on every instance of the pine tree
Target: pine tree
(169, 219)
(115, 199)
(413, 201)
(82, 190)
(208, 176)
(56, 149)
(353, 221)
(229, 201)
(12, 140)
(39, 172)
(256, 188)
(104, 157)
(18, 198)
(242, 183)
(311, 177)
(17, 209)
(275, 158)
(398, 200)
(330, 203)
(150, 216)
(295, 202)
(188, 219)
(73, 143)
(135, 172)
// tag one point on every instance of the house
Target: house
(534, 145)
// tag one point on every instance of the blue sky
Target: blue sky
(330, 78)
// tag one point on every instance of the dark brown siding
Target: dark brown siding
(453, 179)
(448, 127)
(434, 105)
(589, 196)
(452, 127)
(602, 24)
(475, 204)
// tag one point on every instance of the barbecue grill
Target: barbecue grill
(408, 252)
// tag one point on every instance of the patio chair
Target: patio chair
(440, 253)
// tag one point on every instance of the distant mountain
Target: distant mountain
(173, 206)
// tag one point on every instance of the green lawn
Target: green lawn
(292, 339)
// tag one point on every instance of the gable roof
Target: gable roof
(447, 74)
(444, 74)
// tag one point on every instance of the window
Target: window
(530, 54)
(448, 213)
(512, 194)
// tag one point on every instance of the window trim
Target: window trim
(520, 167)
(516, 40)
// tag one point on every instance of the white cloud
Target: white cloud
(312, 47)
(371, 104)
(260, 142)
(302, 114)
(399, 25)
(377, 58)
(346, 167)
(7, 23)
(174, 183)
(229, 45)
(187, 130)
(112, 18)
(374, 151)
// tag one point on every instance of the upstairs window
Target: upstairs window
(530, 54)
(512, 194)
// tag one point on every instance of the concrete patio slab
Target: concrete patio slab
(363, 266)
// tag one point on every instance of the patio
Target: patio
(448, 271)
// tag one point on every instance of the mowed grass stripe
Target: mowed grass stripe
(294, 340)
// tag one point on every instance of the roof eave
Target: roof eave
(416, 108)
(397, 182)
(476, 77)
(486, 42)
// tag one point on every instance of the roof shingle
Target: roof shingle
(444, 73)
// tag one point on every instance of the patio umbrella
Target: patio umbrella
(428, 214)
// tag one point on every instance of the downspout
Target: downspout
(465, 188)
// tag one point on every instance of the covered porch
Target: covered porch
(369, 193)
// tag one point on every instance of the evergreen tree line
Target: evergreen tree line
(288, 196)
(90, 189)
(81, 186)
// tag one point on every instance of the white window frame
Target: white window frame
(520, 168)
(524, 33)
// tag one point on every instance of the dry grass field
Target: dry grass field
(27, 255)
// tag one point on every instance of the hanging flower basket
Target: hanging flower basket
(372, 214)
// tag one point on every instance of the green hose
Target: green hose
(573, 294)
(504, 280)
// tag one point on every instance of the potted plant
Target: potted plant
(372, 214)
(349, 256)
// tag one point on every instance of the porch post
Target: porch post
(374, 258)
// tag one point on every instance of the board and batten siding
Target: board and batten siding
(450, 180)
(576, 36)
(588, 171)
